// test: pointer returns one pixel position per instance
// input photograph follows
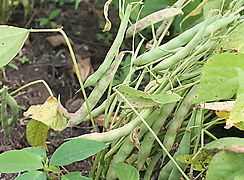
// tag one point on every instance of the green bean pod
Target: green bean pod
(4, 119)
(14, 108)
(148, 140)
(114, 50)
(169, 171)
(176, 122)
(128, 146)
(175, 43)
(97, 93)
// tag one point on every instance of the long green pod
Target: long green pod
(176, 122)
(113, 51)
(97, 93)
(166, 48)
(169, 171)
(181, 54)
(4, 114)
(184, 147)
(127, 147)
(100, 109)
(115, 134)
(148, 140)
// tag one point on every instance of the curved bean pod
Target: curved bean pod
(114, 50)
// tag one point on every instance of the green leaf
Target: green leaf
(237, 113)
(36, 175)
(75, 150)
(137, 98)
(17, 161)
(235, 41)
(73, 176)
(12, 40)
(140, 99)
(44, 21)
(229, 143)
(36, 133)
(54, 14)
(126, 171)
(52, 169)
(77, 2)
(39, 152)
(225, 166)
(166, 98)
(50, 113)
(53, 24)
(220, 77)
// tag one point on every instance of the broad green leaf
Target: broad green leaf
(36, 133)
(234, 144)
(137, 98)
(220, 77)
(54, 14)
(226, 165)
(126, 171)
(34, 175)
(73, 176)
(75, 150)
(235, 41)
(50, 113)
(39, 152)
(237, 113)
(17, 161)
(164, 98)
(12, 40)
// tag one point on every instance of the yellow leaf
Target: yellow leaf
(50, 113)
(222, 114)
(36, 133)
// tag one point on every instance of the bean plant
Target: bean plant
(160, 130)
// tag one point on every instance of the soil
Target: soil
(54, 65)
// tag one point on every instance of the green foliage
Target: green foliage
(73, 176)
(75, 150)
(31, 159)
(50, 19)
(126, 171)
(11, 41)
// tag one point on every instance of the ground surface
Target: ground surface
(53, 64)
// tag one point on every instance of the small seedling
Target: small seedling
(50, 19)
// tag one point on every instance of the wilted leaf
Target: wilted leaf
(235, 41)
(218, 106)
(237, 113)
(222, 114)
(225, 166)
(220, 77)
(75, 150)
(152, 19)
(12, 40)
(85, 68)
(108, 24)
(57, 40)
(126, 171)
(50, 113)
(36, 133)
(135, 139)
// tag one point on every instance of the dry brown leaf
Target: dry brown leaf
(134, 139)
(218, 106)
(100, 119)
(57, 40)
(85, 68)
